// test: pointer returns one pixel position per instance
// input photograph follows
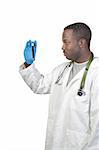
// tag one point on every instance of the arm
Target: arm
(38, 83)
(29, 73)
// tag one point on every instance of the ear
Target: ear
(82, 43)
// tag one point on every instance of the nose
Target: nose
(63, 47)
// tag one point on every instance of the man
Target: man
(73, 120)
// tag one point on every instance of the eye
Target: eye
(66, 42)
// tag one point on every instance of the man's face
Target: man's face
(70, 46)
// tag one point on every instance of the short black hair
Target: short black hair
(81, 30)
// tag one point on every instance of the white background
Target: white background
(23, 114)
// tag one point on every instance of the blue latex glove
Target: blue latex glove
(30, 51)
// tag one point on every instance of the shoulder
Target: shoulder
(56, 72)
(61, 66)
(59, 69)
(94, 69)
(95, 63)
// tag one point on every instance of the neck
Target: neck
(85, 57)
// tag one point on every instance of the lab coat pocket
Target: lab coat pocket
(81, 103)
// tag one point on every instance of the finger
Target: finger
(28, 43)
(35, 43)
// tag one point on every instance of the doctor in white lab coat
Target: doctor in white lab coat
(73, 119)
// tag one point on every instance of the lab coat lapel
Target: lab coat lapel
(65, 79)
(78, 76)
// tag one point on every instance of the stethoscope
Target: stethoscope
(82, 84)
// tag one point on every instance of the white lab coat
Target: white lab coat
(73, 121)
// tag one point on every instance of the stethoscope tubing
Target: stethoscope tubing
(82, 84)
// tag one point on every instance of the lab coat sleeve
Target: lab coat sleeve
(38, 83)
(93, 140)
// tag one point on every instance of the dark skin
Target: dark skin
(73, 48)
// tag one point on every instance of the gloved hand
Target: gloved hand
(30, 51)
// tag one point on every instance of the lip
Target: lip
(64, 53)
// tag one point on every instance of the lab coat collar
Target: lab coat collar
(75, 78)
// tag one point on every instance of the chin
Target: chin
(68, 58)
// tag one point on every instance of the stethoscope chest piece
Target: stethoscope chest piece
(81, 92)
